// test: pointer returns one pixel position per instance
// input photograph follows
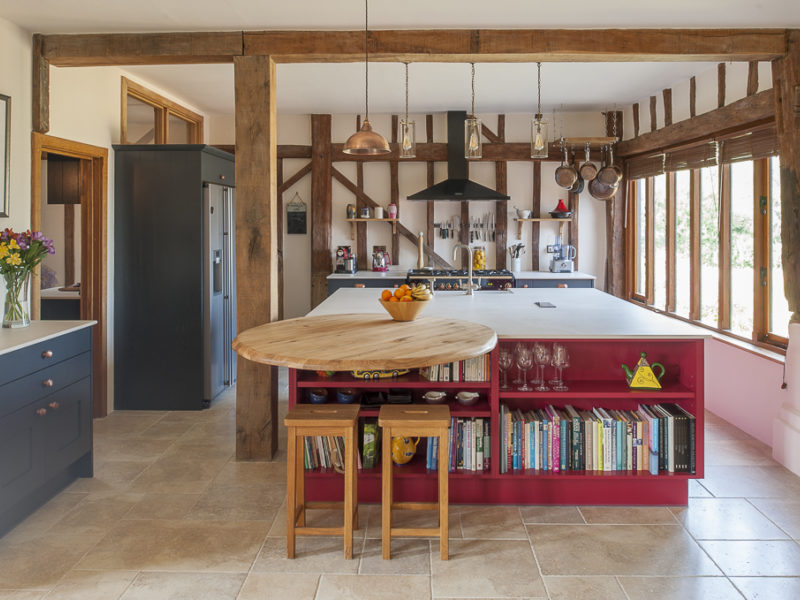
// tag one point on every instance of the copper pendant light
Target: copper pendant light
(365, 140)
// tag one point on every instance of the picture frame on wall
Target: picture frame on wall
(5, 151)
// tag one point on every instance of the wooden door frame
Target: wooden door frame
(94, 244)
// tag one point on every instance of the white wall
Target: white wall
(15, 81)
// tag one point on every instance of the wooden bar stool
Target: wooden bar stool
(411, 421)
(309, 420)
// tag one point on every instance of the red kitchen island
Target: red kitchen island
(600, 332)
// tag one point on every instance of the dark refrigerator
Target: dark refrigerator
(174, 276)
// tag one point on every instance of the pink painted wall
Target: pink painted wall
(743, 388)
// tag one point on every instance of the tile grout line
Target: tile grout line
(535, 557)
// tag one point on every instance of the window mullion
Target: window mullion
(650, 241)
(670, 225)
(761, 258)
(694, 224)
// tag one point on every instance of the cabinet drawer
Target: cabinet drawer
(43, 354)
(21, 455)
(26, 390)
(68, 425)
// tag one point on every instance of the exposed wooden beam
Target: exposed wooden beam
(321, 195)
(105, 49)
(294, 151)
(537, 212)
(429, 208)
(667, 95)
(394, 194)
(301, 172)
(41, 88)
(435, 259)
(749, 110)
(721, 84)
(501, 206)
(279, 229)
(362, 255)
(786, 83)
(520, 45)
(256, 249)
(752, 77)
(692, 96)
(653, 120)
(636, 119)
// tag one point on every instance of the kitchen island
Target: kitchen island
(600, 331)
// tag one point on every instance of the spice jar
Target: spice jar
(351, 211)
(392, 210)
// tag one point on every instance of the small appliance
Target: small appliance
(381, 259)
(563, 257)
(345, 260)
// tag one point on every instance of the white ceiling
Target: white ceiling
(339, 88)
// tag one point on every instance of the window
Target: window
(705, 239)
(149, 118)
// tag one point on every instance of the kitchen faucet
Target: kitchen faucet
(469, 275)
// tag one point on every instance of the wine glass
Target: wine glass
(560, 362)
(517, 347)
(557, 349)
(524, 362)
(541, 355)
(505, 358)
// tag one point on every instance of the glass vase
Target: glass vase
(16, 308)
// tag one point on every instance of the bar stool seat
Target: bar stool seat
(411, 421)
(326, 420)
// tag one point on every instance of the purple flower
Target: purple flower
(22, 244)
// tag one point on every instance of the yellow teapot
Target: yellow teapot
(403, 449)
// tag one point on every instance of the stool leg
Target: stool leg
(355, 477)
(291, 491)
(300, 479)
(386, 494)
(444, 500)
(349, 469)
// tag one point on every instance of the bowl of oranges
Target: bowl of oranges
(405, 303)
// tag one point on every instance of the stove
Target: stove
(456, 279)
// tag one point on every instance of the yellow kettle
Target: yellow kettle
(403, 449)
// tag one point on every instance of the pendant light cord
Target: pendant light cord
(366, 60)
(406, 64)
(539, 88)
(473, 90)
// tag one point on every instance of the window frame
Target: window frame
(164, 107)
(762, 272)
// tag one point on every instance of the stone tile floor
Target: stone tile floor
(171, 515)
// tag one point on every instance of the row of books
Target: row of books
(325, 451)
(469, 446)
(654, 438)
(472, 369)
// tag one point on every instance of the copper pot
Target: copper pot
(610, 174)
(588, 170)
(566, 175)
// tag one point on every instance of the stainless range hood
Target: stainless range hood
(457, 186)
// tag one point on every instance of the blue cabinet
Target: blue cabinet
(367, 282)
(45, 422)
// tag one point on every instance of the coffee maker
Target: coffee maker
(345, 260)
(563, 257)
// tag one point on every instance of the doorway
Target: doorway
(86, 170)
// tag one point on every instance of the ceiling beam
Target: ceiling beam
(436, 45)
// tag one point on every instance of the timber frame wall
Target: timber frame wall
(254, 55)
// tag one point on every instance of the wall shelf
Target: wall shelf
(364, 220)
(520, 221)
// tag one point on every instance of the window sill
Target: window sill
(777, 355)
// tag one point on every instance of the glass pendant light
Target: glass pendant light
(365, 140)
(539, 137)
(472, 128)
(408, 140)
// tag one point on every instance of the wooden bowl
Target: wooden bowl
(404, 311)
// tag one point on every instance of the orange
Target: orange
(405, 287)
(406, 299)
(394, 299)
(400, 292)
(386, 294)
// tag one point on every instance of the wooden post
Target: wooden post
(320, 207)
(653, 120)
(361, 227)
(721, 85)
(41, 88)
(692, 96)
(636, 119)
(667, 94)
(256, 249)
(786, 83)
(429, 208)
(615, 223)
(752, 77)
(501, 206)
(279, 228)
(574, 202)
(537, 212)
(394, 194)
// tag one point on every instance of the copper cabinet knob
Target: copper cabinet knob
(54, 405)
(47, 383)
(41, 412)
(47, 354)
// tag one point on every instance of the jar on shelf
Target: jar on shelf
(479, 258)
(391, 210)
(351, 211)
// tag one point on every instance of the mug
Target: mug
(351, 211)
(378, 212)
(392, 210)
(365, 212)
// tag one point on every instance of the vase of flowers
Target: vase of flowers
(19, 254)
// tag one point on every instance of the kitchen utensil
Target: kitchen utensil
(577, 187)
(467, 398)
(346, 396)
(588, 170)
(365, 212)
(610, 174)
(318, 396)
(562, 215)
(643, 376)
(403, 449)
(435, 397)
(600, 190)
(566, 175)
(378, 212)
(523, 214)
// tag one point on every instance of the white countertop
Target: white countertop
(55, 293)
(579, 313)
(398, 272)
(38, 331)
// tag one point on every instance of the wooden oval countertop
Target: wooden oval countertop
(363, 341)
